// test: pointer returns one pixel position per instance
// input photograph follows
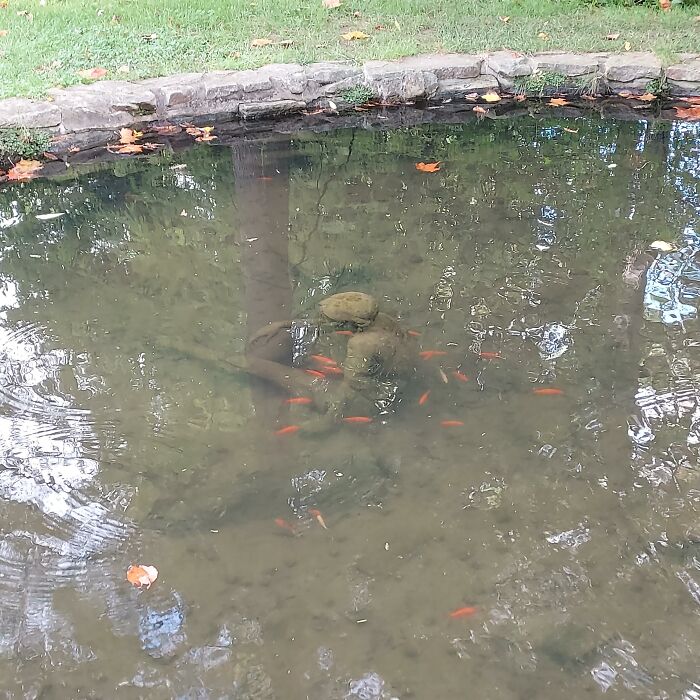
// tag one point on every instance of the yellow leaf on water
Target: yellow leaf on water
(354, 35)
(141, 575)
(257, 43)
(491, 97)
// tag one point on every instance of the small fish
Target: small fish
(315, 373)
(423, 398)
(467, 611)
(548, 392)
(451, 423)
(319, 518)
(344, 333)
(460, 376)
(322, 359)
(490, 355)
(357, 419)
(265, 178)
(284, 525)
(288, 430)
(428, 354)
(329, 371)
(415, 334)
(299, 401)
(443, 376)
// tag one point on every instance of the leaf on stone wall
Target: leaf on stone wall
(491, 97)
(558, 102)
(691, 114)
(24, 170)
(129, 135)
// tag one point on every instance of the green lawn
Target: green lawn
(47, 47)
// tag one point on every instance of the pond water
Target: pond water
(568, 519)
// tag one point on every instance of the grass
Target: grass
(23, 143)
(156, 38)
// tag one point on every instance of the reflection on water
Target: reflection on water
(561, 498)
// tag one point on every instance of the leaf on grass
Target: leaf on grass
(612, 37)
(543, 35)
(558, 102)
(4, 32)
(24, 170)
(570, 131)
(331, 4)
(628, 46)
(504, 19)
(129, 135)
(92, 73)
(428, 167)
(665, 5)
(491, 97)
(141, 576)
(691, 114)
(355, 35)
(257, 43)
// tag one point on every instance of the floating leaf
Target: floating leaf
(257, 43)
(428, 167)
(691, 114)
(355, 35)
(558, 102)
(24, 170)
(491, 97)
(92, 73)
(141, 576)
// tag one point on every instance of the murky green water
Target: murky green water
(569, 520)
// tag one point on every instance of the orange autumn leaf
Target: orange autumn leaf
(24, 170)
(92, 73)
(479, 109)
(691, 100)
(428, 167)
(166, 129)
(141, 576)
(129, 135)
(558, 102)
(691, 114)
(647, 97)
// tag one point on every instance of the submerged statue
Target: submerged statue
(369, 346)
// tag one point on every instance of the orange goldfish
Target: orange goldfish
(451, 423)
(460, 376)
(467, 611)
(315, 373)
(551, 391)
(284, 525)
(490, 355)
(299, 401)
(357, 419)
(423, 398)
(344, 333)
(429, 354)
(323, 360)
(288, 430)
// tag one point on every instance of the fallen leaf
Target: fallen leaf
(357, 14)
(691, 114)
(558, 102)
(4, 32)
(491, 97)
(123, 69)
(625, 93)
(24, 170)
(503, 19)
(28, 15)
(665, 5)
(331, 4)
(628, 46)
(647, 97)
(472, 97)
(612, 37)
(141, 576)
(352, 36)
(570, 131)
(257, 43)
(428, 167)
(590, 98)
(166, 129)
(662, 246)
(520, 98)
(284, 42)
(92, 73)
(129, 135)
(397, 25)
(543, 35)
(691, 100)
(479, 109)
(126, 149)
(74, 149)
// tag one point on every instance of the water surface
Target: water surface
(569, 521)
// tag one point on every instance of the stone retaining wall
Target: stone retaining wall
(283, 89)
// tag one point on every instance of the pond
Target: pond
(514, 514)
